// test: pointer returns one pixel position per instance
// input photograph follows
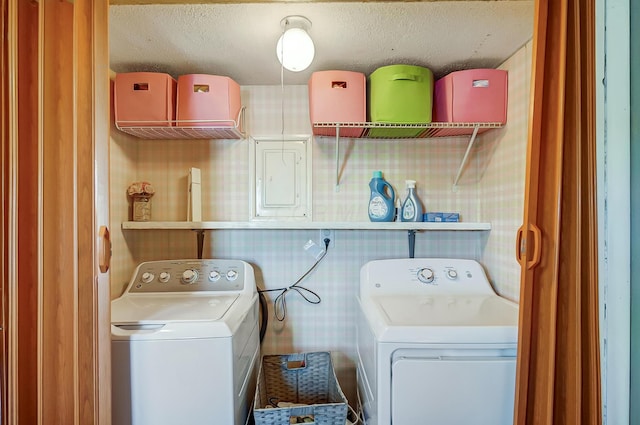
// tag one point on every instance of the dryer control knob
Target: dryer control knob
(214, 276)
(232, 275)
(452, 274)
(147, 277)
(164, 277)
(189, 276)
(425, 275)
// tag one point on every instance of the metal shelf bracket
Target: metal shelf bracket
(199, 242)
(412, 243)
(337, 157)
(472, 140)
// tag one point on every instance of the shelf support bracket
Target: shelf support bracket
(412, 243)
(472, 140)
(200, 242)
(338, 158)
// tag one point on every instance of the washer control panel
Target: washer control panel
(423, 275)
(191, 276)
(428, 275)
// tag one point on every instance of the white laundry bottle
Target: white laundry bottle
(412, 207)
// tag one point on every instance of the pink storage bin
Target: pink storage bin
(144, 99)
(213, 99)
(337, 96)
(474, 95)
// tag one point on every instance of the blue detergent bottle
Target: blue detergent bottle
(382, 198)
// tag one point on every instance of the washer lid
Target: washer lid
(170, 308)
(473, 319)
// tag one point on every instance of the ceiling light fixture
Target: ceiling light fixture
(295, 48)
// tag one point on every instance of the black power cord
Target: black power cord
(280, 305)
(264, 319)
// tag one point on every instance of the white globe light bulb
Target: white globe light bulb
(295, 49)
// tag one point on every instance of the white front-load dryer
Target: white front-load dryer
(185, 344)
(435, 343)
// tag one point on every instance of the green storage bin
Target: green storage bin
(400, 94)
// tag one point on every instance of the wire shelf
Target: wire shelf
(185, 129)
(399, 130)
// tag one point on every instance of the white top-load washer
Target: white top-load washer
(185, 344)
(436, 344)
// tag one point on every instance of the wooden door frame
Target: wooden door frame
(4, 214)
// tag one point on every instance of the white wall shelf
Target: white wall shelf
(423, 131)
(200, 227)
(303, 225)
(186, 129)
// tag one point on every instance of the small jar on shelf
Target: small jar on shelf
(141, 193)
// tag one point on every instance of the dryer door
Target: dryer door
(453, 390)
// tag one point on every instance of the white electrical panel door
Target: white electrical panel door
(282, 179)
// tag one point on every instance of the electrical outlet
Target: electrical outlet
(326, 233)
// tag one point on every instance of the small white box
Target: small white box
(194, 205)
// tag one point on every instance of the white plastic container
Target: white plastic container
(412, 207)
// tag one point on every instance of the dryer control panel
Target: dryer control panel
(192, 276)
(424, 276)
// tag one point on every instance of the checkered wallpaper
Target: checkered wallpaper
(491, 189)
(501, 161)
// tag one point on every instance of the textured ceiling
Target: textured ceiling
(238, 40)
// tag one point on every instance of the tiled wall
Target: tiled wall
(491, 189)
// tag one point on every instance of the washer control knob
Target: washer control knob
(147, 277)
(452, 274)
(214, 276)
(164, 277)
(232, 275)
(425, 275)
(189, 276)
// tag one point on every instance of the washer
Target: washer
(435, 344)
(185, 344)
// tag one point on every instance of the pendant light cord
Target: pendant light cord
(284, 29)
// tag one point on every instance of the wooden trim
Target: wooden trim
(526, 313)
(592, 400)
(142, 2)
(59, 249)
(4, 214)
(20, 221)
(4, 107)
(27, 207)
(83, 105)
(92, 116)
(40, 260)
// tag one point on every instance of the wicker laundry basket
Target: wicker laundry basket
(305, 378)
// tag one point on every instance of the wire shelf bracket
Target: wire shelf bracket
(405, 131)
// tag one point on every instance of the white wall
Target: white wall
(613, 106)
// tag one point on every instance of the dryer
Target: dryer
(185, 344)
(435, 344)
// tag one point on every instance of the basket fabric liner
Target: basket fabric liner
(314, 384)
